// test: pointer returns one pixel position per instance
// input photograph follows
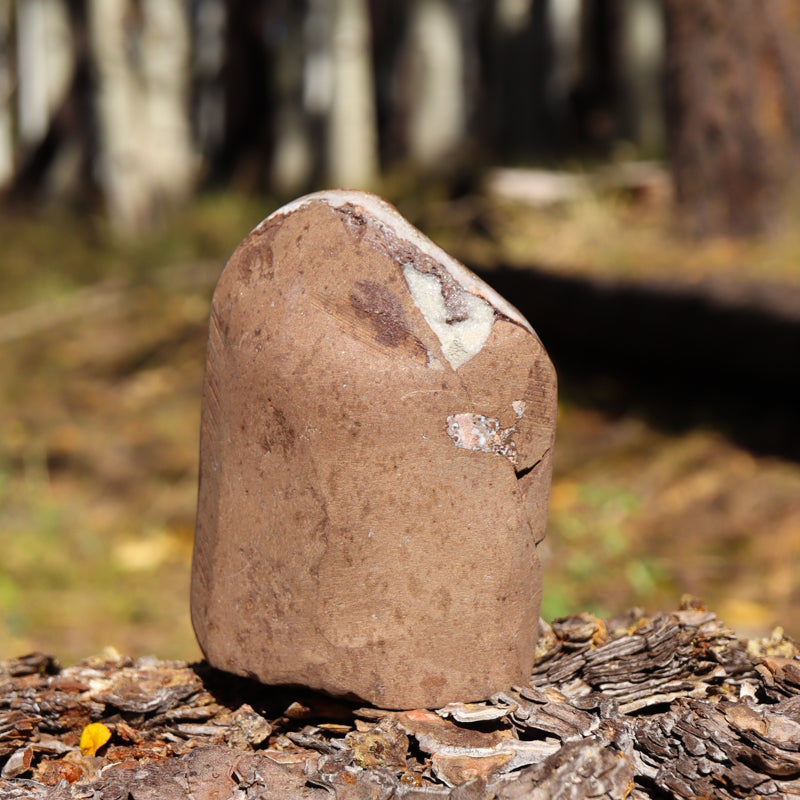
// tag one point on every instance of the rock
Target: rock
(376, 435)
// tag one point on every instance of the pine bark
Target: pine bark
(727, 113)
(666, 706)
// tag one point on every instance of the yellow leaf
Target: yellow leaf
(94, 736)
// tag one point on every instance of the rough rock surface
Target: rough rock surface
(669, 706)
(375, 464)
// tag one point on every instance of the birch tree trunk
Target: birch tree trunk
(352, 124)
(32, 70)
(437, 112)
(44, 64)
(6, 84)
(142, 58)
(166, 60)
(642, 40)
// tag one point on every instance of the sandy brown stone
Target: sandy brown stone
(377, 427)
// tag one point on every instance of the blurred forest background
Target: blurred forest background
(624, 171)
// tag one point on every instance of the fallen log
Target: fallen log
(667, 706)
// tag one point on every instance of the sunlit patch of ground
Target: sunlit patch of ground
(97, 478)
(612, 236)
(99, 417)
(642, 517)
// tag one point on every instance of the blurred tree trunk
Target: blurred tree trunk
(727, 109)
(6, 84)
(352, 123)
(564, 91)
(641, 73)
(247, 97)
(208, 63)
(436, 87)
(54, 160)
(783, 32)
(141, 51)
(32, 71)
(596, 98)
(292, 157)
(166, 59)
(45, 63)
(525, 95)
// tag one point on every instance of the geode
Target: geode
(375, 459)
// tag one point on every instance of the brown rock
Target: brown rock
(376, 434)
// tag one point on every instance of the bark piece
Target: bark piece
(384, 744)
(375, 464)
(143, 690)
(19, 762)
(732, 735)
(578, 770)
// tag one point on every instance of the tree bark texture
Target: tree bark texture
(728, 105)
(664, 706)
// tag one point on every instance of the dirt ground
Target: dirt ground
(100, 375)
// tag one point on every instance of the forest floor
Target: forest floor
(101, 359)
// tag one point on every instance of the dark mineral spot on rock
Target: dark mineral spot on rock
(382, 310)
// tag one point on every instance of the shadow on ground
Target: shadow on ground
(720, 354)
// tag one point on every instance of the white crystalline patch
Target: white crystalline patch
(484, 434)
(460, 339)
(388, 216)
